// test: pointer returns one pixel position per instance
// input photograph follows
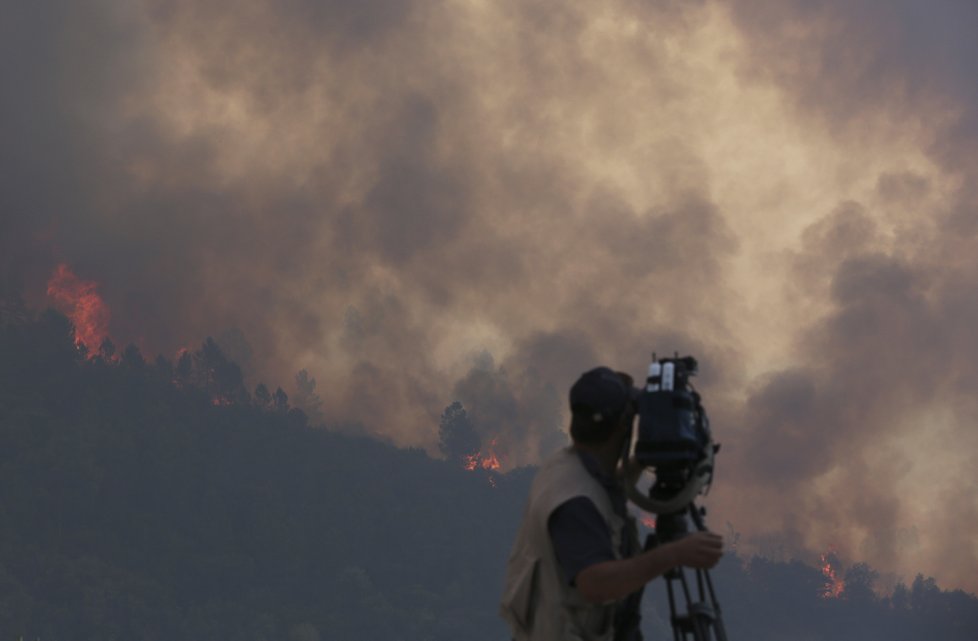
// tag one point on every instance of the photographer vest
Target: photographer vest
(537, 603)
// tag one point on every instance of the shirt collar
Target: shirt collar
(593, 468)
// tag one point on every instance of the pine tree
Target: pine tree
(457, 438)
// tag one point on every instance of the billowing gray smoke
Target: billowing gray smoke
(478, 201)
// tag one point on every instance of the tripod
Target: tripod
(701, 620)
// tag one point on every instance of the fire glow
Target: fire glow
(79, 300)
(834, 584)
(485, 461)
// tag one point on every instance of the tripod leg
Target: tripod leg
(690, 623)
(682, 580)
(718, 628)
(701, 629)
(676, 633)
(701, 615)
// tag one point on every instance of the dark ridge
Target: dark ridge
(159, 500)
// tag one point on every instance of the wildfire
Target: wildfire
(485, 461)
(834, 584)
(79, 300)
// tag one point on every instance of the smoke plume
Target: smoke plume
(420, 203)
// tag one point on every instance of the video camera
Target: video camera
(673, 438)
(674, 441)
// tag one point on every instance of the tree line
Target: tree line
(158, 499)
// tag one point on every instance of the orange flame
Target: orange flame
(834, 584)
(79, 300)
(487, 461)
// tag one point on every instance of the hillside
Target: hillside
(165, 501)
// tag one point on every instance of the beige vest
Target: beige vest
(537, 603)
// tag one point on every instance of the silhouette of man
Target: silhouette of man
(576, 570)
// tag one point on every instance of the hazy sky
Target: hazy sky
(420, 202)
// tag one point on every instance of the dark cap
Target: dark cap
(601, 394)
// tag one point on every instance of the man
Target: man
(576, 570)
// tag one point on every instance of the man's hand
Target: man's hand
(610, 580)
(701, 550)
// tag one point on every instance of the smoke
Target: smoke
(419, 203)
(867, 422)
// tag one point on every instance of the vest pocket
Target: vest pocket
(591, 622)
(520, 597)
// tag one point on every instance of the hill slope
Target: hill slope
(163, 501)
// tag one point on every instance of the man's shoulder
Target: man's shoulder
(576, 509)
(562, 466)
(564, 477)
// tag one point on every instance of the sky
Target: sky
(422, 202)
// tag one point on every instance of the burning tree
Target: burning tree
(486, 460)
(79, 300)
(835, 584)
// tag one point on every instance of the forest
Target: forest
(149, 499)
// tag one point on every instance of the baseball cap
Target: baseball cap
(601, 394)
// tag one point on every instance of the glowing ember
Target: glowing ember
(834, 584)
(648, 521)
(80, 302)
(487, 461)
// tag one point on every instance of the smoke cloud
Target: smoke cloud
(419, 203)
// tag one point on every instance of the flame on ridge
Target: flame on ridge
(834, 584)
(485, 461)
(81, 303)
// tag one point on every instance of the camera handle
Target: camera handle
(699, 479)
(701, 620)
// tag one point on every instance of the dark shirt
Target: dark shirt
(582, 538)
